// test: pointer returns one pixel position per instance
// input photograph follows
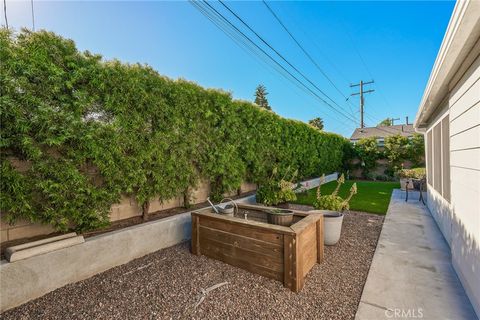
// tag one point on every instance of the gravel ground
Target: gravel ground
(168, 284)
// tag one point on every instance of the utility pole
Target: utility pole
(361, 93)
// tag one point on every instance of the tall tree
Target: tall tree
(385, 123)
(261, 97)
(317, 123)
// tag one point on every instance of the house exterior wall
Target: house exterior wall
(454, 196)
(464, 105)
(439, 207)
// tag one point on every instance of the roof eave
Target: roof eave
(461, 34)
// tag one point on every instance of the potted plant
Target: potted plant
(408, 175)
(281, 217)
(332, 206)
(275, 191)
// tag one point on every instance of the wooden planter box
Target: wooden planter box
(283, 253)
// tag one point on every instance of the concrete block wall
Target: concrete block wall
(379, 170)
(126, 208)
(22, 229)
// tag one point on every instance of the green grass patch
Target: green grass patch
(372, 196)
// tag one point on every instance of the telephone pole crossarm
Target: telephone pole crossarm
(364, 83)
(368, 91)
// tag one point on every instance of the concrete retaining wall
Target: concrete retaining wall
(31, 278)
(379, 170)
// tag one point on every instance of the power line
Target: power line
(279, 54)
(364, 63)
(248, 47)
(370, 118)
(244, 45)
(278, 67)
(303, 49)
(307, 54)
(231, 25)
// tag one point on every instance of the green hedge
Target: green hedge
(91, 130)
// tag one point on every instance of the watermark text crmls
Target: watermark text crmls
(404, 313)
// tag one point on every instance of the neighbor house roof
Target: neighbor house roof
(462, 33)
(405, 130)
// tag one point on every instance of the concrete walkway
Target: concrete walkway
(411, 275)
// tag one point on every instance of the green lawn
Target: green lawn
(372, 196)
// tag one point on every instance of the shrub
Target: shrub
(396, 150)
(369, 176)
(333, 201)
(414, 173)
(368, 153)
(277, 190)
(416, 150)
(93, 130)
(381, 178)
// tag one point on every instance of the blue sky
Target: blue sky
(395, 43)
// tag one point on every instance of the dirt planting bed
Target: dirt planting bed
(168, 285)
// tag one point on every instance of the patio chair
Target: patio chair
(418, 185)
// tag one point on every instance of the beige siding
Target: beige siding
(467, 94)
(453, 169)
(466, 120)
(466, 159)
(465, 178)
(468, 139)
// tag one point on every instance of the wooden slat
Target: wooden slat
(299, 279)
(258, 207)
(217, 253)
(308, 248)
(195, 235)
(299, 226)
(320, 240)
(242, 229)
(267, 248)
(252, 224)
(309, 257)
(288, 262)
(308, 233)
(258, 259)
